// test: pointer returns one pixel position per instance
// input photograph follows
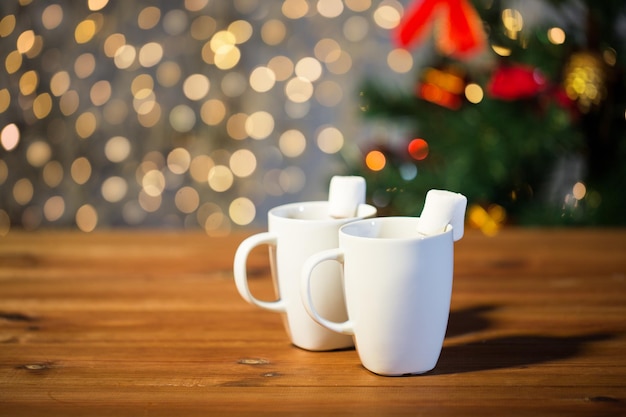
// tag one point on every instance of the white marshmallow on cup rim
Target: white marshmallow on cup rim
(440, 209)
(345, 194)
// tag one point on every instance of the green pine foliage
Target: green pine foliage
(505, 152)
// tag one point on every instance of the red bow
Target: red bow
(460, 29)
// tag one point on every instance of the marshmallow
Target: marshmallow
(344, 196)
(440, 209)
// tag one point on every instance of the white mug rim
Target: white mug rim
(280, 212)
(345, 230)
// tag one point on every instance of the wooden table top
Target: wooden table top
(150, 324)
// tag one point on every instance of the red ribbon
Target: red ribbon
(459, 33)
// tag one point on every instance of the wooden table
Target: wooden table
(150, 324)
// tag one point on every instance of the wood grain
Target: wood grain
(150, 323)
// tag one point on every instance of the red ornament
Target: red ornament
(516, 82)
(418, 149)
(459, 29)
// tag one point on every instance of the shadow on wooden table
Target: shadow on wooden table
(516, 351)
(468, 320)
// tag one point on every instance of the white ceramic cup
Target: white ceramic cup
(295, 232)
(398, 287)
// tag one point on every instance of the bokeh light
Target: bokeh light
(418, 149)
(195, 114)
(375, 160)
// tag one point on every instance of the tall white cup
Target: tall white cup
(398, 287)
(295, 232)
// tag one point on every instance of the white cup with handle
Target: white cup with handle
(295, 232)
(398, 285)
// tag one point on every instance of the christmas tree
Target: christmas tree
(524, 116)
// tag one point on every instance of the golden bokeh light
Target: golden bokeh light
(227, 56)
(236, 126)
(178, 160)
(95, 5)
(53, 174)
(330, 140)
(153, 183)
(202, 27)
(85, 65)
(400, 60)
(387, 15)
(7, 25)
(150, 54)
(242, 211)
(220, 178)
(292, 143)
(85, 31)
(213, 112)
(375, 160)
(299, 89)
(149, 203)
(114, 189)
(117, 149)
(112, 43)
(259, 125)
(38, 153)
(243, 163)
(42, 105)
(295, 9)
(54, 208)
(52, 16)
(474, 93)
(513, 22)
(273, 32)
(281, 66)
(149, 17)
(168, 73)
(192, 115)
(28, 82)
(200, 167)
(80, 170)
(10, 136)
(358, 5)
(23, 191)
(556, 35)
(25, 41)
(308, 68)
(125, 56)
(60, 83)
(5, 99)
(86, 124)
(242, 30)
(13, 62)
(187, 199)
(330, 8)
(69, 102)
(579, 191)
(86, 218)
(100, 92)
(262, 79)
(4, 172)
(196, 86)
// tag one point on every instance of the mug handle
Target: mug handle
(309, 265)
(241, 273)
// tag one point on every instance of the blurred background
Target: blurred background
(203, 114)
